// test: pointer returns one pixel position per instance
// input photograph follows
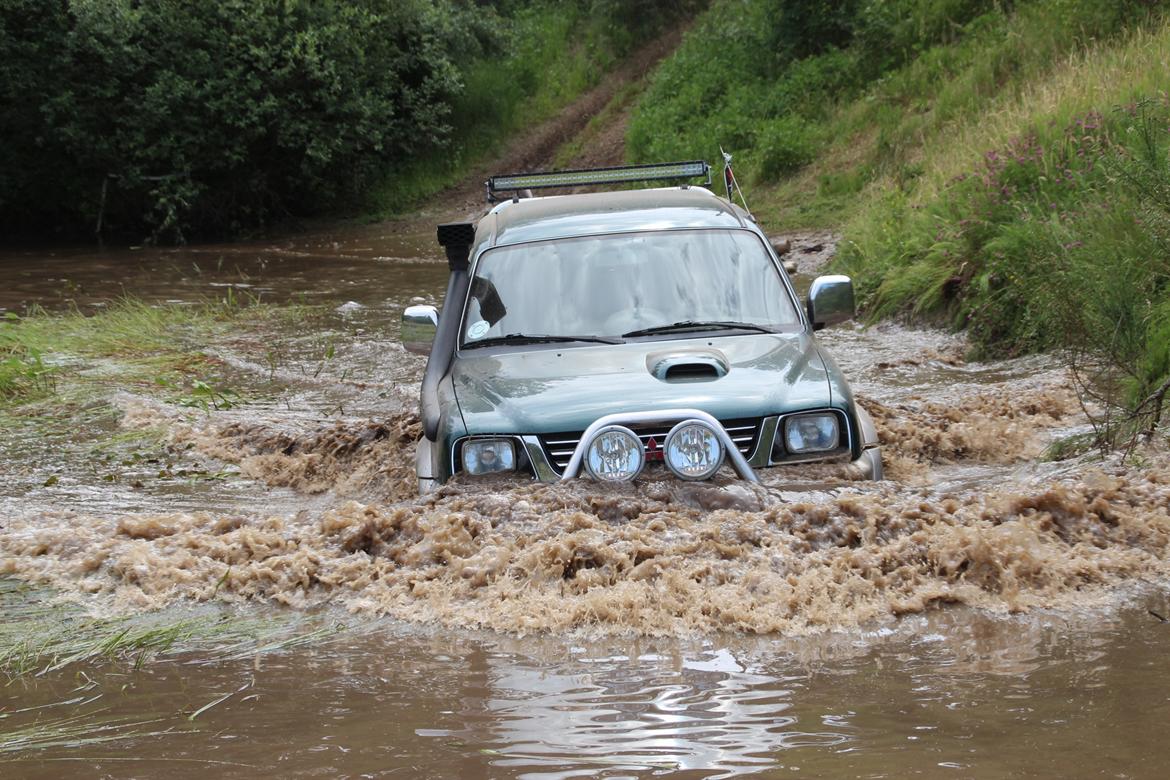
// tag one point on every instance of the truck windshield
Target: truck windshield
(620, 285)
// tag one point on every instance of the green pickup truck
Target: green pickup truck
(608, 334)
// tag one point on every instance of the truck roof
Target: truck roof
(566, 216)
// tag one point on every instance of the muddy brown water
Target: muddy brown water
(983, 613)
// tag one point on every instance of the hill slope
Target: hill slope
(1001, 167)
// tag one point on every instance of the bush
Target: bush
(802, 28)
(785, 145)
(178, 115)
(1059, 240)
(173, 117)
(744, 68)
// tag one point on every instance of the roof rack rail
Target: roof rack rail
(584, 177)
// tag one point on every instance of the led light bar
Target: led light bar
(593, 176)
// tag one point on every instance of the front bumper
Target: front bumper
(748, 444)
(731, 451)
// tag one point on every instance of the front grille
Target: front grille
(559, 447)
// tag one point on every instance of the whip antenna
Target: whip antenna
(732, 184)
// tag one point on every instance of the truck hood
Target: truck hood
(552, 390)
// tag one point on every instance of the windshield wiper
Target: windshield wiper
(692, 325)
(528, 338)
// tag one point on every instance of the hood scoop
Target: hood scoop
(688, 365)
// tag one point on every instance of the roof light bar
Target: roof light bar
(592, 176)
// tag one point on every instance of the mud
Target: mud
(999, 427)
(968, 515)
(814, 621)
(370, 458)
(655, 558)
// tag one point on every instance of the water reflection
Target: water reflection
(612, 714)
(954, 691)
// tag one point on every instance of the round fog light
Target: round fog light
(693, 450)
(614, 454)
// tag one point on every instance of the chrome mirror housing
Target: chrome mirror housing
(419, 324)
(830, 300)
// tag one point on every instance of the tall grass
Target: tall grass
(1045, 226)
(76, 731)
(814, 132)
(999, 167)
(40, 637)
(24, 374)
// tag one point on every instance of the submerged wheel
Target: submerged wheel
(423, 467)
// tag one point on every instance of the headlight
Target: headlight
(693, 450)
(614, 454)
(488, 456)
(811, 433)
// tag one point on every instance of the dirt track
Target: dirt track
(537, 148)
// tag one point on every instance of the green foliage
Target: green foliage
(743, 68)
(177, 118)
(622, 25)
(784, 145)
(801, 28)
(177, 115)
(1050, 231)
(903, 67)
(1059, 240)
(24, 375)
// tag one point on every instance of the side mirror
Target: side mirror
(419, 324)
(830, 300)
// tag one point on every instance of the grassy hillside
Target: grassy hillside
(996, 166)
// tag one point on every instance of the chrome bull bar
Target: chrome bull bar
(738, 461)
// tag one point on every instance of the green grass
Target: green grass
(1045, 226)
(39, 636)
(811, 133)
(994, 167)
(24, 374)
(52, 356)
(75, 731)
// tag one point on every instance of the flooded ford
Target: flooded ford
(223, 564)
